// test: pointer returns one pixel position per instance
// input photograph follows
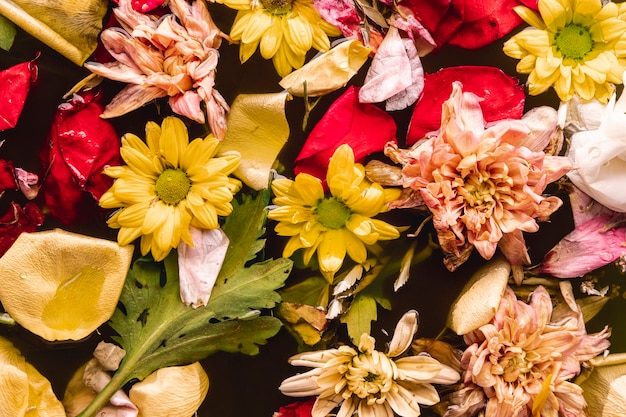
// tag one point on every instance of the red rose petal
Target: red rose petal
(15, 82)
(7, 176)
(502, 97)
(17, 220)
(363, 126)
(484, 22)
(80, 145)
(297, 409)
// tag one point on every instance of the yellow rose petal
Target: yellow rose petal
(175, 391)
(480, 298)
(62, 285)
(23, 390)
(257, 129)
(328, 72)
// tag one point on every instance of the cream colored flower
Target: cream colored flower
(174, 56)
(577, 46)
(283, 30)
(369, 382)
(483, 185)
(521, 362)
(334, 225)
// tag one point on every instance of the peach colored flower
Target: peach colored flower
(520, 363)
(482, 183)
(174, 56)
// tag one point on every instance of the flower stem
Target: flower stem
(102, 398)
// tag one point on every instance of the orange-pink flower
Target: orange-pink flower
(520, 364)
(175, 55)
(483, 183)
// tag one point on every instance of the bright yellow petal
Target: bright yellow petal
(174, 140)
(253, 32)
(309, 189)
(554, 13)
(530, 16)
(62, 285)
(272, 39)
(298, 33)
(331, 251)
(355, 248)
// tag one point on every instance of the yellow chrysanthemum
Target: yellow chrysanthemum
(334, 225)
(283, 30)
(577, 46)
(168, 185)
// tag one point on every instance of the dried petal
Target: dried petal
(479, 300)
(16, 221)
(363, 126)
(16, 82)
(257, 130)
(199, 265)
(328, 72)
(175, 391)
(79, 145)
(62, 285)
(585, 249)
(605, 388)
(500, 96)
(23, 390)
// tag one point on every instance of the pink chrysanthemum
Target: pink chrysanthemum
(520, 363)
(482, 183)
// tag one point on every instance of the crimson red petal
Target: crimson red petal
(502, 97)
(16, 82)
(363, 126)
(17, 220)
(484, 22)
(7, 176)
(297, 409)
(80, 144)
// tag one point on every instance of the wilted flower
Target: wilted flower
(169, 185)
(369, 382)
(576, 46)
(161, 57)
(334, 225)
(283, 30)
(598, 154)
(520, 363)
(482, 185)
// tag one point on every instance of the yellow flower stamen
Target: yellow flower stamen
(172, 186)
(277, 7)
(332, 213)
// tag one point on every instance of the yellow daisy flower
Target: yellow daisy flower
(168, 185)
(283, 30)
(334, 225)
(577, 46)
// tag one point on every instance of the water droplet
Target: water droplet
(23, 276)
(606, 256)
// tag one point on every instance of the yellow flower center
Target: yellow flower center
(370, 374)
(574, 41)
(477, 192)
(277, 7)
(172, 186)
(332, 213)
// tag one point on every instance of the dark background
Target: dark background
(242, 385)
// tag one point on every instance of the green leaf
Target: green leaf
(157, 330)
(7, 33)
(360, 316)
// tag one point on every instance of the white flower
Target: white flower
(369, 382)
(600, 157)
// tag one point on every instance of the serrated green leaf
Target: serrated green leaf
(157, 330)
(360, 316)
(7, 33)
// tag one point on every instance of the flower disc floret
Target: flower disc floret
(578, 47)
(337, 225)
(168, 185)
